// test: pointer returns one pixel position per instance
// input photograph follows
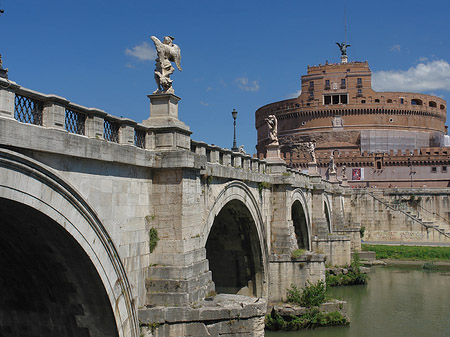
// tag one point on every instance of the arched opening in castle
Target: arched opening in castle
(48, 285)
(234, 253)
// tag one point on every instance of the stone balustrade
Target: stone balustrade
(55, 112)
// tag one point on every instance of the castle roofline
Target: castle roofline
(337, 65)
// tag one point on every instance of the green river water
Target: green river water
(397, 302)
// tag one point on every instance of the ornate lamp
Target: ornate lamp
(234, 114)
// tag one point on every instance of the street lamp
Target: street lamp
(234, 114)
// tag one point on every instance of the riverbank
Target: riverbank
(397, 301)
(419, 254)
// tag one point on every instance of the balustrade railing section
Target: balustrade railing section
(139, 138)
(28, 110)
(75, 122)
(111, 131)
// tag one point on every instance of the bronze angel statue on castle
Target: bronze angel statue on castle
(167, 52)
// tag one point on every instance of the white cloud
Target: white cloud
(434, 75)
(204, 103)
(396, 48)
(143, 52)
(244, 84)
(294, 94)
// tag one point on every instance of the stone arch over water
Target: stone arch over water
(235, 243)
(300, 220)
(61, 259)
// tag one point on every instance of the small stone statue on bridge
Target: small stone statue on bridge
(167, 52)
(310, 147)
(332, 165)
(272, 124)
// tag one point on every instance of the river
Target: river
(397, 301)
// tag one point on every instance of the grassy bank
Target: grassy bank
(411, 253)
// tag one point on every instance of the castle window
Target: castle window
(311, 94)
(416, 101)
(327, 100)
(444, 168)
(359, 82)
(433, 169)
(377, 100)
(389, 100)
(432, 104)
(363, 101)
(327, 84)
(442, 106)
(311, 84)
(378, 165)
(335, 99)
(402, 100)
(343, 99)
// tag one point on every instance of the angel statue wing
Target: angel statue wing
(158, 45)
(176, 53)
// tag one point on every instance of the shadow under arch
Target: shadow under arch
(327, 212)
(30, 187)
(300, 219)
(235, 242)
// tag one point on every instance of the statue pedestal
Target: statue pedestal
(332, 177)
(273, 154)
(312, 169)
(167, 131)
(344, 182)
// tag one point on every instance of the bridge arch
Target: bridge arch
(69, 237)
(235, 242)
(301, 219)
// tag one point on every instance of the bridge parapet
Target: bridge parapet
(55, 112)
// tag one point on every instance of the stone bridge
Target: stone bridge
(116, 228)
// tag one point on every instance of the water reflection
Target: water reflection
(399, 301)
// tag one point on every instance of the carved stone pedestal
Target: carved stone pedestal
(273, 154)
(312, 169)
(168, 132)
(332, 178)
(344, 182)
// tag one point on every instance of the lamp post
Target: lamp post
(234, 114)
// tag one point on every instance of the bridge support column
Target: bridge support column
(179, 273)
(282, 231)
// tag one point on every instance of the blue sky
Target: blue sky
(235, 54)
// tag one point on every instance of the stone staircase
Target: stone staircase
(419, 214)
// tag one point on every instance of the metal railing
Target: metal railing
(388, 205)
(75, 122)
(111, 131)
(139, 138)
(28, 110)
